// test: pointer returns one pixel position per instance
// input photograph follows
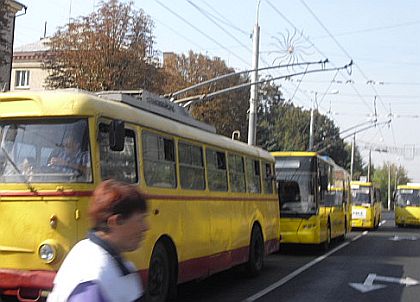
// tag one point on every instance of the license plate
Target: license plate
(359, 214)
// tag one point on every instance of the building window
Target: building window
(22, 79)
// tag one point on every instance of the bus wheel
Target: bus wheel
(161, 284)
(256, 253)
(376, 224)
(326, 244)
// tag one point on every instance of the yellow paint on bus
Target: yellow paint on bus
(367, 207)
(407, 205)
(212, 199)
(314, 196)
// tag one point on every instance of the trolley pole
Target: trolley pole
(253, 100)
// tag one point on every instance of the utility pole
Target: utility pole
(389, 186)
(311, 125)
(353, 143)
(369, 164)
(312, 121)
(253, 99)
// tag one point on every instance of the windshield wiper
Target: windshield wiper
(25, 178)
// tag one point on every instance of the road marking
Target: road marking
(399, 238)
(300, 270)
(382, 222)
(368, 285)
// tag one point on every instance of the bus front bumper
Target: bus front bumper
(19, 282)
(361, 223)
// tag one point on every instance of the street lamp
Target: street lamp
(311, 125)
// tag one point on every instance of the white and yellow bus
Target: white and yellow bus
(407, 205)
(314, 196)
(212, 199)
(366, 207)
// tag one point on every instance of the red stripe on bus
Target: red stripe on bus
(46, 194)
(200, 197)
(148, 196)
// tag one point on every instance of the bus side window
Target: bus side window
(268, 178)
(119, 165)
(253, 183)
(216, 170)
(191, 166)
(159, 160)
(236, 173)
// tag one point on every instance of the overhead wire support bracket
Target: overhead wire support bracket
(177, 93)
(200, 98)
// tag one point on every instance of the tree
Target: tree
(109, 49)
(227, 112)
(398, 176)
(284, 127)
(4, 27)
(358, 168)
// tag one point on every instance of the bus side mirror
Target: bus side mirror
(116, 135)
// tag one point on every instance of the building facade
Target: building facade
(27, 68)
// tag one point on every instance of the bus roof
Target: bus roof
(294, 153)
(409, 186)
(74, 102)
(361, 183)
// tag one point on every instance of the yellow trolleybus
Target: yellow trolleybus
(314, 196)
(366, 207)
(212, 199)
(407, 205)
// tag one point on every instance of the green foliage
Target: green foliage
(284, 127)
(358, 168)
(227, 112)
(398, 175)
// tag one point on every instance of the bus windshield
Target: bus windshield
(361, 195)
(408, 197)
(55, 150)
(296, 193)
(333, 197)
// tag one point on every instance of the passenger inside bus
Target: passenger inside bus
(289, 192)
(69, 158)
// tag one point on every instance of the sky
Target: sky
(379, 36)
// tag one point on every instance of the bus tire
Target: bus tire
(343, 237)
(161, 284)
(256, 253)
(326, 244)
(376, 224)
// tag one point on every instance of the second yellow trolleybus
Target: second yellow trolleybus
(314, 198)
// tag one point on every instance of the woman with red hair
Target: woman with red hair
(94, 269)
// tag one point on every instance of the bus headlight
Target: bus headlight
(47, 251)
